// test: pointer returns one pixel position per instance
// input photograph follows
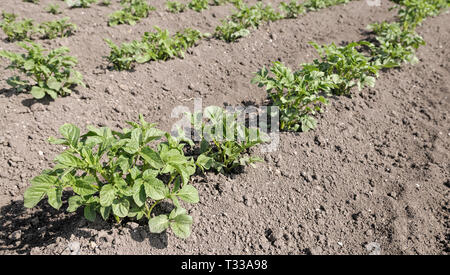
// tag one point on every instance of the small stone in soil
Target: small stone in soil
(16, 235)
(74, 247)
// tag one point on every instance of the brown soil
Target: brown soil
(376, 170)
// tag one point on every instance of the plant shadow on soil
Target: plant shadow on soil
(9, 92)
(34, 228)
(22, 229)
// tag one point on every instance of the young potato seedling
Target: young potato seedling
(120, 174)
(396, 45)
(52, 73)
(17, 30)
(105, 3)
(198, 5)
(292, 9)
(80, 3)
(298, 95)
(159, 45)
(57, 28)
(175, 7)
(26, 29)
(314, 5)
(132, 12)
(239, 23)
(346, 66)
(225, 140)
(53, 9)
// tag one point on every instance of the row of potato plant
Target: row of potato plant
(125, 174)
(158, 45)
(240, 23)
(300, 94)
(26, 29)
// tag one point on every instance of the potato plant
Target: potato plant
(299, 95)
(396, 45)
(17, 30)
(53, 9)
(159, 45)
(346, 66)
(80, 3)
(413, 12)
(175, 6)
(224, 140)
(246, 17)
(218, 2)
(26, 29)
(105, 3)
(57, 28)
(120, 174)
(132, 12)
(292, 9)
(313, 5)
(198, 5)
(52, 73)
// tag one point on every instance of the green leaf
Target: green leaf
(71, 133)
(54, 197)
(89, 212)
(177, 211)
(74, 203)
(204, 162)
(39, 187)
(105, 212)
(132, 147)
(57, 141)
(120, 207)
(69, 160)
(181, 226)
(84, 187)
(51, 93)
(152, 158)
(149, 174)
(156, 189)
(53, 84)
(123, 163)
(37, 92)
(107, 195)
(172, 157)
(189, 194)
(134, 172)
(158, 224)
(139, 195)
(29, 65)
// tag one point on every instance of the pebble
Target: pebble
(16, 159)
(74, 247)
(93, 245)
(247, 200)
(133, 225)
(306, 176)
(118, 109)
(124, 87)
(16, 235)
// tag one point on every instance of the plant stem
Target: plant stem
(151, 208)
